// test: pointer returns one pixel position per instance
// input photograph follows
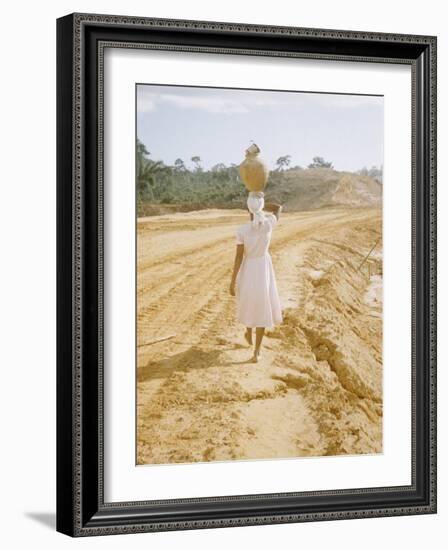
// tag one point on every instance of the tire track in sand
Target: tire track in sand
(198, 398)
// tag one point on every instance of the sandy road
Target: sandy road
(317, 389)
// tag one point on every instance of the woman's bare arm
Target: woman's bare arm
(274, 208)
(236, 266)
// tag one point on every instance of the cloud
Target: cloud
(145, 103)
(211, 100)
(217, 104)
(345, 101)
(227, 101)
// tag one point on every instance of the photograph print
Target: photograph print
(259, 309)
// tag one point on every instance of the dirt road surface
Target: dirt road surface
(317, 389)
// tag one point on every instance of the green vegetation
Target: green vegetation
(148, 174)
(162, 188)
(319, 162)
(283, 162)
(158, 183)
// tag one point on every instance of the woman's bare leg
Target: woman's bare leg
(248, 335)
(259, 333)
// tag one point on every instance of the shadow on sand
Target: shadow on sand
(193, 358)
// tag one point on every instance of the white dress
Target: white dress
(258, 303)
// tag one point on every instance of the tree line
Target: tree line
(161, 183)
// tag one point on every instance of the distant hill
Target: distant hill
(308, 189)
(296, 189)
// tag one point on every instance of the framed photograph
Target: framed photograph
(246, 250)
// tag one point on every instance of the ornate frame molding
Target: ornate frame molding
(83, 512)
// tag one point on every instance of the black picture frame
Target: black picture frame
(81, 510)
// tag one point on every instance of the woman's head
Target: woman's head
(255, 205)
(255, 202)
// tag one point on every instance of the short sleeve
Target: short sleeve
(239, 236)
(272, 220)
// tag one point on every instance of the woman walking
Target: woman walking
(258, 304)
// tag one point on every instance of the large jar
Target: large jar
(253, 171)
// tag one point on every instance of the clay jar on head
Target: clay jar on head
(253, 171)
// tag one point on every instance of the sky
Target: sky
(218, 124)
